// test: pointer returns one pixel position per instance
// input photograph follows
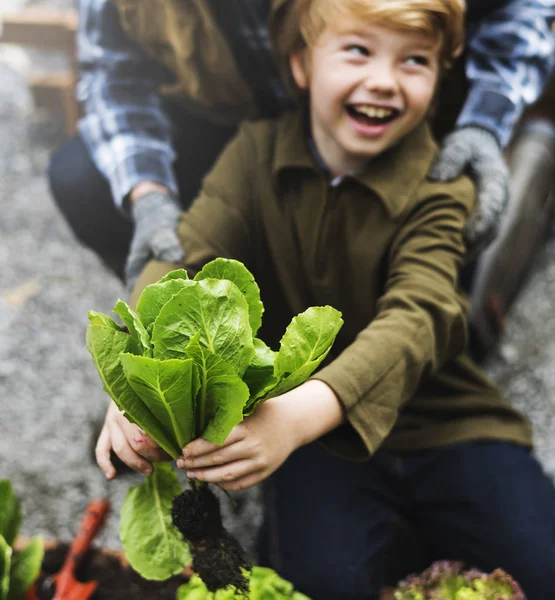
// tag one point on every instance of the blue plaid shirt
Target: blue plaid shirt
(510, 57)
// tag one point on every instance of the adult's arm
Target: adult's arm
(220, 222)
(510, 58)
(124, 127)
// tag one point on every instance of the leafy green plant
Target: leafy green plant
(188, 364)
(17, 570)
(448, 581)
(265, 584)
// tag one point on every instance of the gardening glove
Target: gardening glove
(156, 215)
(476, 152)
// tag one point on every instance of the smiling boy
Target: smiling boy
(369, 87)
(330, 205)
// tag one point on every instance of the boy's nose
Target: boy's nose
(381, 80)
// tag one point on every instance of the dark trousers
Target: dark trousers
(343, 530)
(84, 198)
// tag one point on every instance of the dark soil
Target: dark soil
(115, 581)
(218, 557)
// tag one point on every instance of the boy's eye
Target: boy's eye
(422, 61)
(357, 50)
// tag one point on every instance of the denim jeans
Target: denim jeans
(341, 530)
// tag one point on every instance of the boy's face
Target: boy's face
(369, 86)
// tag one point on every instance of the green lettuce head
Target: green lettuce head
(187, 364)
(448, 581)
(265, 584)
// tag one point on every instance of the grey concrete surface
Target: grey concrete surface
(49, 390)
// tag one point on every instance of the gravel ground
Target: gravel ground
(49, 390)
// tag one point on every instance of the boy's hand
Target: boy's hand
(127, 440)
(156, 215)
(261, 443)
(477, 153)
(253, 450)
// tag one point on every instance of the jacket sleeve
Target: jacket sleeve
(420, 322)
(510, 58)
(124, 128)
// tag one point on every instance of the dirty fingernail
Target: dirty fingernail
(191, 475)
(180, 463)
(147, 471)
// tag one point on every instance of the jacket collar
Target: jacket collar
(393, 175)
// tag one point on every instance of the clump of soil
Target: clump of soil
(116, 581)
(218, 557)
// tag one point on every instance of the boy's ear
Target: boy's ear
(297, 62)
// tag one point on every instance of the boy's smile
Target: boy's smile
(369, 86)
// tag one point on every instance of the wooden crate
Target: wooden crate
(52, 30)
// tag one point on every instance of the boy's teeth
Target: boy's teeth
(374, 112)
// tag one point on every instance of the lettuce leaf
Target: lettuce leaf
(153, 546)
(25, 568)
(136, 329)
(218, 310)
(10, 512)
(305, 344)
(235, 271)
(17, 571)
(222, 395)
(264, 584)
(97, 318)
(168, 388)
(5, 568)
(155, 296)
(105, 345)
(259, 375)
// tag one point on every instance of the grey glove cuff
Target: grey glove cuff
(480, 133)
(151, 203)
(156, 216)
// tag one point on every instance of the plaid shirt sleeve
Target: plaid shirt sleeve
(124, 127)
(510, 58)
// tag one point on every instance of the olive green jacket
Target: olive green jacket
(385, 248)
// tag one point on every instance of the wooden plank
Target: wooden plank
(56, 93)
(48, 29)
(44, 28)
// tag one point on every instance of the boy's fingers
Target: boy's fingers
(201, 446)
(220, 455)
(243, 483)
(226, 473)
(123, 449)
(146, 447)
(102, 453)
(139, 441)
